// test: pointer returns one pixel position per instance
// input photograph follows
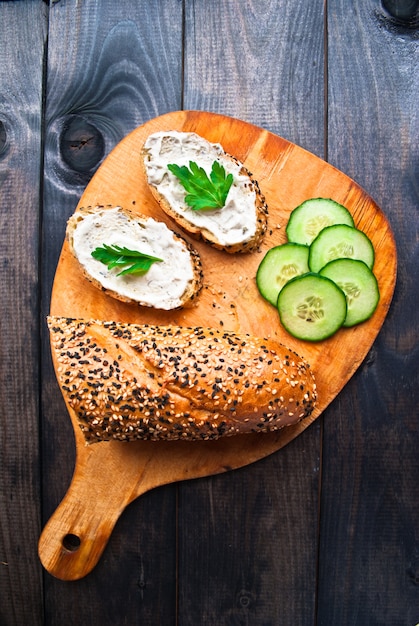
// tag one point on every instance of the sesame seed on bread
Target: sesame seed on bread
(129, 381)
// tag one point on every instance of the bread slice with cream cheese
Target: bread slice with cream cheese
(239, 225)
(170, 283)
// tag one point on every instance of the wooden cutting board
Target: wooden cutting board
(75, 536)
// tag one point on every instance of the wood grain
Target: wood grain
(287, 174)
(254, 71)
(371, 462)
(22, 37)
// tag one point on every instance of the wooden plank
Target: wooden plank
(22, 39)
(250, 60)
(111, 66)
(370, 517)
(247, 540)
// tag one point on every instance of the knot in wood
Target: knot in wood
(245, 599)
(3, 138)
(405, 12)
(82, 145)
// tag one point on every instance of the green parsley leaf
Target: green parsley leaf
(203, 193)
(133, 261)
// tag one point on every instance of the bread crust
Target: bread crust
(260, 208)
(128, 381)
(192, 289)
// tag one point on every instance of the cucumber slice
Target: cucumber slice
(278, 266)
(312, 307)
(359, 286)
(340, 242)
(310, 217)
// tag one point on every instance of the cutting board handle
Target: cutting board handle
(110, 475)
(104, 482)
(75, 536)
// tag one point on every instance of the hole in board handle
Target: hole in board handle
(71, 542)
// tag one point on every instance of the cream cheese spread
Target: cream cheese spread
(232, 224)
(163, 285)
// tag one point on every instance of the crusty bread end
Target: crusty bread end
(129, 381)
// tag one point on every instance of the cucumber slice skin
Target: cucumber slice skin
(312, 307)
(310, 217)
(360, 286)
(337, 242)
(279, 265)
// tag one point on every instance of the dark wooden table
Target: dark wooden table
(325, 531)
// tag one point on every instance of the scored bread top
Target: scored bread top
(239, 226)
(130, 381)
(168, 284)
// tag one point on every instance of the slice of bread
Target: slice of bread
(169, 284)
(239, 225)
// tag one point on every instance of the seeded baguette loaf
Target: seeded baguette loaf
(170, 284)
(237, 227)
(128, 381)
